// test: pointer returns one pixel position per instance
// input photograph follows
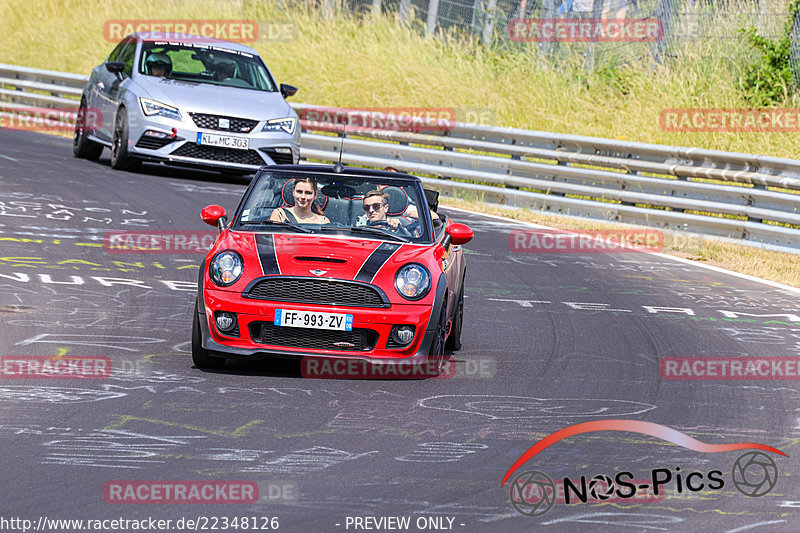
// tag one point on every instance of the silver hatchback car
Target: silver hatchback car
(195, 101)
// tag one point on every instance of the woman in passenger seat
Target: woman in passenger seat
(304, 210)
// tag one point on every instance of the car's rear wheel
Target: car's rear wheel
(81, 145)
(200, 356)
(120, 159)
(454, 340)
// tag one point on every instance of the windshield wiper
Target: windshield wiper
(378, 231)
(296, 227)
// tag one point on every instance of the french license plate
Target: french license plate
(223, 141)
(313, 319)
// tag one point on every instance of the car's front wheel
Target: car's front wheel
(454, 340)
(81, 145)
(436, 351)
(120, 159)
(200, 356)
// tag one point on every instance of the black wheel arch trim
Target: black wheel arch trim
(433, 325)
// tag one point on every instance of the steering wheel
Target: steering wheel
(384, 224)
(412, 228)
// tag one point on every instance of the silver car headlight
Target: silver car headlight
(412, 281)
(153, 108)
(226, 268)
(281, 124)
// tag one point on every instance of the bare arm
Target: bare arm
(277, 215)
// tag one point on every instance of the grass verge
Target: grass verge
(375, 61)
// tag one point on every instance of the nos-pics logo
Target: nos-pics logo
(533, 493)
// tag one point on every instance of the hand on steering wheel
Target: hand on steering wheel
(412, 228)
(385, 224)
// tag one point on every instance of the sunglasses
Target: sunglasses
(373, 207)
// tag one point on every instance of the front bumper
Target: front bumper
(379, 320)
(179, 145)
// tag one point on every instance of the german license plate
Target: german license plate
(313, 319)
(223, 141)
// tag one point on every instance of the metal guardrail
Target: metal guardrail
(654, 185)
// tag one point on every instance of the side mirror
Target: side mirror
(288, 90)
(214, 215)
(115, 67)
(459, 234)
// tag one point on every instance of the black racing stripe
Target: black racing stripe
(266, 254)
(375, 261)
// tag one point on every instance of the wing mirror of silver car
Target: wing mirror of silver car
(116, 67)
(214, 215)
(288, 90)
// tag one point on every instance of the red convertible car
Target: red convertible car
(331, 262)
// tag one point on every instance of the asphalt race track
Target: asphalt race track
(550, 340)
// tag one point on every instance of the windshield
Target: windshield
(203, 63)
(363, 206)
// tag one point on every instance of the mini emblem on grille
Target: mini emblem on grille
(344, 344)
(318, 272)
(224, 123)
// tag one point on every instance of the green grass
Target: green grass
(376, 62)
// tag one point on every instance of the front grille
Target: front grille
(317, 291)
(153, 143)
(359, 339)
(279, 158)
(214, 153)
(211, 122)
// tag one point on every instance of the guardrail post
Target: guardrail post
(667, 9)
(433, 12)
(548, 12)
(488, 23)
(404, 10)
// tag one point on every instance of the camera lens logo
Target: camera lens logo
(754, 474)
(601, 487)
(532, 493)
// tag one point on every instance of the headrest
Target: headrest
(398, 199)
(287, 193)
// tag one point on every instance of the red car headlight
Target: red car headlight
(412, 281)
(226, 268)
